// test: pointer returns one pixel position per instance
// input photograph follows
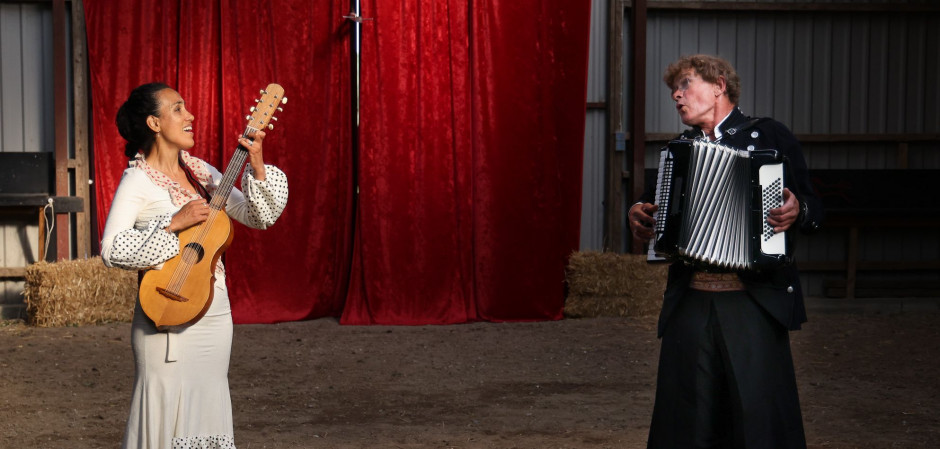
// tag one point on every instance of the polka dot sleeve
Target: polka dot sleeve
(134, 249)
(262, 202)
(134, 235)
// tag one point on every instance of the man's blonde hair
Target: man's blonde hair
(710, 68)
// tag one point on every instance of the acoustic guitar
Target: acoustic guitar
(181, 291)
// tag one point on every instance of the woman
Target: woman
(181, 396)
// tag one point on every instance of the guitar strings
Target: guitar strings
(190, 256)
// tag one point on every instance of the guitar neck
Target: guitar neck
(261, 115)
(234, 169)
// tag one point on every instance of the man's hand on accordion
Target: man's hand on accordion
(783, 217)
(642, 221)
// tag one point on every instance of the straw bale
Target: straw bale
(78, 292)
(611, 284)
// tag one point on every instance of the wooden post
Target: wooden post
(902, 155)
(60, 81)
(42, 235)
(82, 123)
(638, 123)
(852, 263)
(613, 207)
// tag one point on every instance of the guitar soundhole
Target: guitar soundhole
(193, 253)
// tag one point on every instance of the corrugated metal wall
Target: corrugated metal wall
(820, 73)
(26, 121)
(595, 132)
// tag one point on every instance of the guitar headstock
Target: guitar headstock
(263, 112)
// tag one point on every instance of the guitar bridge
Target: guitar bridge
(171, 295)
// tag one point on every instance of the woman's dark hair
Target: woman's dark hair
(132, 118)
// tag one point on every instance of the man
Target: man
(726, 376)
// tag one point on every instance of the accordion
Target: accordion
(713, 204)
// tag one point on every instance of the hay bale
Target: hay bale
(78, 292)
(611, 284)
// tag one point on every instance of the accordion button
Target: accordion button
(750, 148)
(790, 289)
(755, 134)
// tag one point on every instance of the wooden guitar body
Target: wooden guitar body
(170, 299)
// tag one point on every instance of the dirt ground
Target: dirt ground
(867, 380)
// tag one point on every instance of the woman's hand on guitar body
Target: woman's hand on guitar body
(191, 214)
(253, 144)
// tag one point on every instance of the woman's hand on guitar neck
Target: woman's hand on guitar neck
(191, 214)
(252, 143)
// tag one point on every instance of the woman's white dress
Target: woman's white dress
(181, 395)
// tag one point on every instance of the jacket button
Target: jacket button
(790, 289)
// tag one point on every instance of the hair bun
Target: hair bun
(131, 119)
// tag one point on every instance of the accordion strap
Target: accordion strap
(746, 125)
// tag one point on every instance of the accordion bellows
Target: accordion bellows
(713, 203)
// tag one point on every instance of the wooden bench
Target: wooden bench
(859, 200)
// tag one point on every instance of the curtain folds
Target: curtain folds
(469, 163)
(530, 78)
(414, 251)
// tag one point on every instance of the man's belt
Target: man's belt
(716, 282)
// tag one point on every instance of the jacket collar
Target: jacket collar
(734, 118)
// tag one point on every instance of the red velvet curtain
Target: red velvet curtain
(218, 54)
(472, 128)
(469, 170)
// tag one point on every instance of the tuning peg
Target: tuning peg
(248, 117)
(274, 118)
(280, 110)
(262, 92)
(257, 100)
(252, 109)
(270, 126)
(284, 100)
